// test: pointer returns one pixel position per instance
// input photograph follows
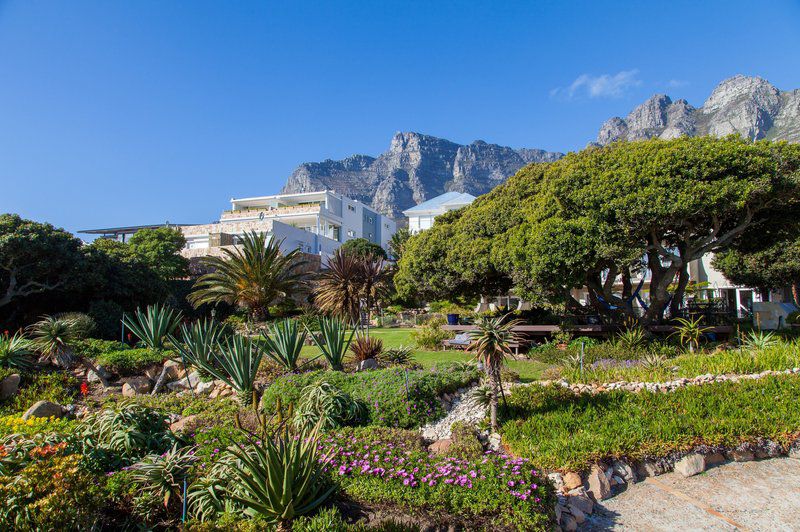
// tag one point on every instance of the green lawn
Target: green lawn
(529, 370)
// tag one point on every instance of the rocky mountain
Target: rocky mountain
(749, 106)
(414, 169)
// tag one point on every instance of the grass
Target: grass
(528, 370)
(559, 430)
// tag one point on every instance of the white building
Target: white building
(314, 222)
(421, 216)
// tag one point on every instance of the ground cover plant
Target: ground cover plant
(564, 431)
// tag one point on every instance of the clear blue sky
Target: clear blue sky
(120, 113)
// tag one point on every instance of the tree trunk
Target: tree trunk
(796, 292)
(660, 279)
(493, 398)
(680, 291)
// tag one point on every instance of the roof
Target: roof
(442, 203)
(128, 229)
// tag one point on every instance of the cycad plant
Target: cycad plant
(491, 343)
(153, 326)
(284, 341)
(236, 365)
(332, 340)
(15, 352)
(690, 332)
(281, 477)
(199, 342)
(254, 275)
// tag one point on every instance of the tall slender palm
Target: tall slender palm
(254, 275)
(491, 343)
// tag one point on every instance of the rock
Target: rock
(204, 387)
(714, 459)
(617, 480)
(441, 446)
(44, 409)
(9, 386)
(91, 376)
(369, 363)
(794, 451)
(581, 501)
(184, 384)
(599, 485)
(173, 370)
(557, 480)
(579, 516)
(153, 372)
(136, 386)
(568, 523)
(690, 465)
(648, 469)
(572, 480)
(738, 455)
(624, 471)
(494, 441)
(183, 424)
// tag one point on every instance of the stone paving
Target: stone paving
(760, 495)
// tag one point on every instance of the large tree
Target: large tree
(34, 258)
(361, 247)
(603, 215)
(160, 250)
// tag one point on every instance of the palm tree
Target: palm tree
(491, 342)
(351, 283)
(254, 275)
(53, 338)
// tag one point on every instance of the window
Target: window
(351, 208)
(370, 236)
(386, 226)
(369, 219)
(351, 233)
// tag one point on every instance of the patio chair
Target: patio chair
(461, 341)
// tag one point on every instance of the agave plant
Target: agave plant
(254, 276)
(691, 332)
(163, 475)
(491, 343)
(759, 340)
(365, 347)
(332, 340)
(284, 342)
(200, 342)
(15, 352)
(328, 407)
(281, 477)
(397, 356)
(631, 339)
(236, 365)
(153, 326)
(653, 361)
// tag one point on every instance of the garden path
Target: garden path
(762, 495)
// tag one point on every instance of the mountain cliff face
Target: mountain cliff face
(414, 169)
(749, 106)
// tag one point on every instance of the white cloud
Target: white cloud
(602, 86)
(675, 83)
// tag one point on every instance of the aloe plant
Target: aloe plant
(153, 326)
(284, 342)
(163, 475)
(281, 477)
(691, 332)
(236, 365)
(759, 340)
(15, 352)
(327, 406)
(332, 340)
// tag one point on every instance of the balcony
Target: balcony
(270, 212)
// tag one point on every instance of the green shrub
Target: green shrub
(92, 348)
(391, 400)
(324, 404)
(108, 317)
(326, 520)
(466, 444)
(431, 335)
(132, 361)
(561, 430)
(56, 494)
(58, 387)
(793, 318)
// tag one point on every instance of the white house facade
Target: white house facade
(421, 217)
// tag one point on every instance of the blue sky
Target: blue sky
(121, 113)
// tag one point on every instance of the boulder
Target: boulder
(44, 409)
(440, 446)
(204, 387)
(173, 370)
(624, 471)
(183, 424)
(648, 469)
(494, 441)
(369, 363)
(184, 384)
(690, 465)
(572, 480)
(714, 459)
(579, 516)
(91, 376)
(136, 386)
(741, 455)
(568, 523)
(557, 480)
(9, 386)
(599, 484)
(153, 372)
(794, 451)
(581, 501)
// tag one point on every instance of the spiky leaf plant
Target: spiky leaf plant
(401, 355)
(153, 326)
(364, 348)
(52, 336)
(15, 352)
(284, 341)
(163, 475)
(690, 332)
(332, 340)
(199, 342)
(237, 365)
(759, 340)
(328, 407)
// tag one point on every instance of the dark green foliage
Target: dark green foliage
(108, 317)
(160, 250)
(569, 432)
(284, 342)
(332, 340)
(128, 362)
(361, 247)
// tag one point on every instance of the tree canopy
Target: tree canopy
(361, 247)
(160, 249)
(604, 214)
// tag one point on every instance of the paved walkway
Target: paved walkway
(762, 495)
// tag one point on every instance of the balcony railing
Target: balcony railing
(254, 212)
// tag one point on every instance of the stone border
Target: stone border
(579, 493)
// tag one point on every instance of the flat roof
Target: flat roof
(278, 196)
(443, 200)
(129, 229)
